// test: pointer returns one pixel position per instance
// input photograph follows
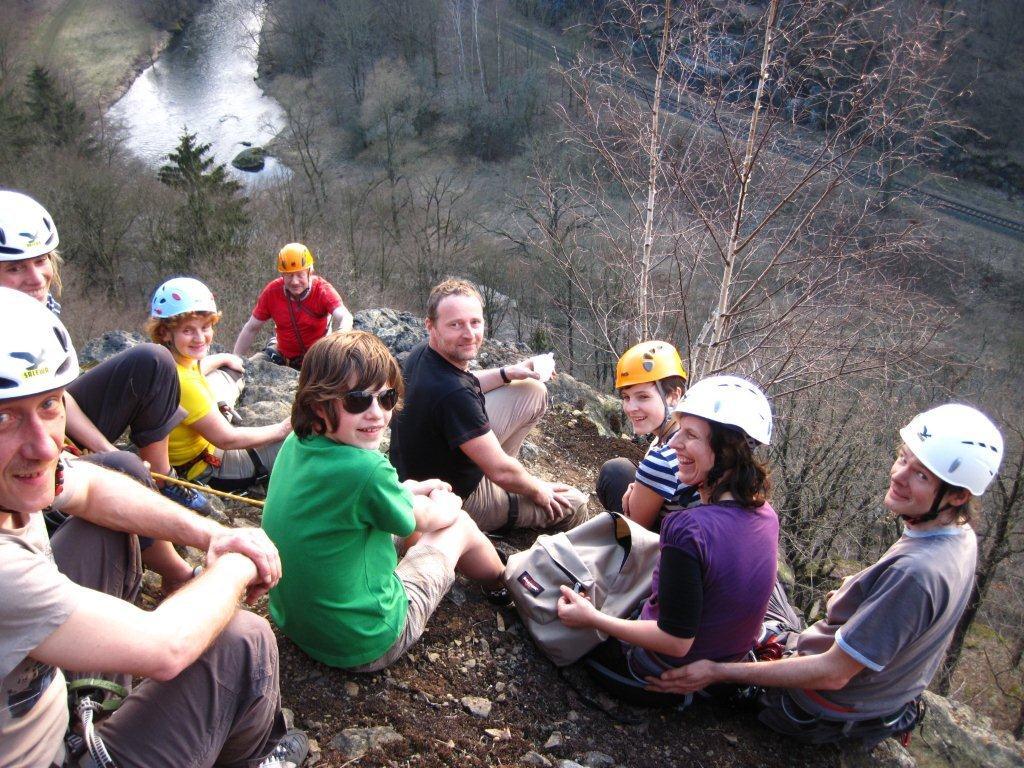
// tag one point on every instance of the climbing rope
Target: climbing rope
(207, 489)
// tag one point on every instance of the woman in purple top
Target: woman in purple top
(718, 559)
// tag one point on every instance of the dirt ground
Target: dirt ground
(472, 649)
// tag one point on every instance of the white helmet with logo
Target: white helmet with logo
(26, 229)
(180, 295)
(733, 401)
(36, 354)
(959, 444)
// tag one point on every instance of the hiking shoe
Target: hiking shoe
(290, 751)
(499, 597)
(188, 498)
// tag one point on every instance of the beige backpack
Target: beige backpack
(609, 558)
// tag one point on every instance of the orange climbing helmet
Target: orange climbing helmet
(648, 361)
(294, 257)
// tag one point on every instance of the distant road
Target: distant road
(931, 200)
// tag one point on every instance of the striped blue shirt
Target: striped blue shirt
(659, 471)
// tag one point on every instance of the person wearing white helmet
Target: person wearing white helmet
(302, 306)
(859, 672)
(135, 390)
(212, 697)
(717, 566)
(206, 447)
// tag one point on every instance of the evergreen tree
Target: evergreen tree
(212, 219)
(54, 113)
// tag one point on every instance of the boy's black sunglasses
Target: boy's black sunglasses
(359, 400)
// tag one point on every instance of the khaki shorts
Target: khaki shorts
(427, 576)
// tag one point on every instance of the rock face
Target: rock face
(251, 159)
(400, 331)
(95, 351)
(953, 732)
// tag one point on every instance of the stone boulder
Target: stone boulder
(400, 331)
(251, 159)
(954, 733)
(95, 351)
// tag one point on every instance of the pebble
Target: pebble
(567, 764)
(499, 734)
(535, 758)
(476, 705)
(499, 686)
(433, 657)
(554, 741)
(351, 689)
(598, 760)
(353, 743)
(732, 740)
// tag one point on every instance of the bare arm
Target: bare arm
(115, 501)
(215, 428)
(111, 635)
(641, 504)
(506, 471)
(82, 430)
(575, 610)
(490, 378)
(435, 511)
(829, 671)
(341, 319)
(247, 336)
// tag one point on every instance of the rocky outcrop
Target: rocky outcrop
(955, 734)
(251, 159)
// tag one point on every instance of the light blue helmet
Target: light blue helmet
(180, 295)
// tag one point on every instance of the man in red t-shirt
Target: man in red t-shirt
(300, 304)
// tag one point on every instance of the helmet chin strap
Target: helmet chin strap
(937, 508)
(666, 413)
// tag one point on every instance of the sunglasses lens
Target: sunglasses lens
(356, 402)
(388, 399)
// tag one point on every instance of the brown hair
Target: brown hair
(451, 287)
(736, 470)
(334, 365)
(159, 329)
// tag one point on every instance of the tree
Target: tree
(212, 218)
(54, 113)
(729, 163)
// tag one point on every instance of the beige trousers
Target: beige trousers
(512, 411)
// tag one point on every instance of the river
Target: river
(205, 81)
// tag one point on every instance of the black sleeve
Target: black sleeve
(680, 593)
(462, 417)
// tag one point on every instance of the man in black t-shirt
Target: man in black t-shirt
(466, 428)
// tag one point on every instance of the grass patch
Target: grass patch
(100, 41)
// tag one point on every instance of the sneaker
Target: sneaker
(290, 751)
(188, 498)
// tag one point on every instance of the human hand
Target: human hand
(521, 370)
(575, 609)
(625, 499)
(284, 428)
(553, 498)
(425, 487)
(692, 677)
(447, 507)
(255, 545)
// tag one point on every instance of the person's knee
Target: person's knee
(247, 643)
(533, 394)
(125, 462)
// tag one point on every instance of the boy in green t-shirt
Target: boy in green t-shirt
(335, 506)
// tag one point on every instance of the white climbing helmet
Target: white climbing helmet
(959, 444)
(26, 229)
(36, 354)
(733, 401)
(180, 295)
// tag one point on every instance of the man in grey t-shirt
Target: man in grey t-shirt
(857, 672)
